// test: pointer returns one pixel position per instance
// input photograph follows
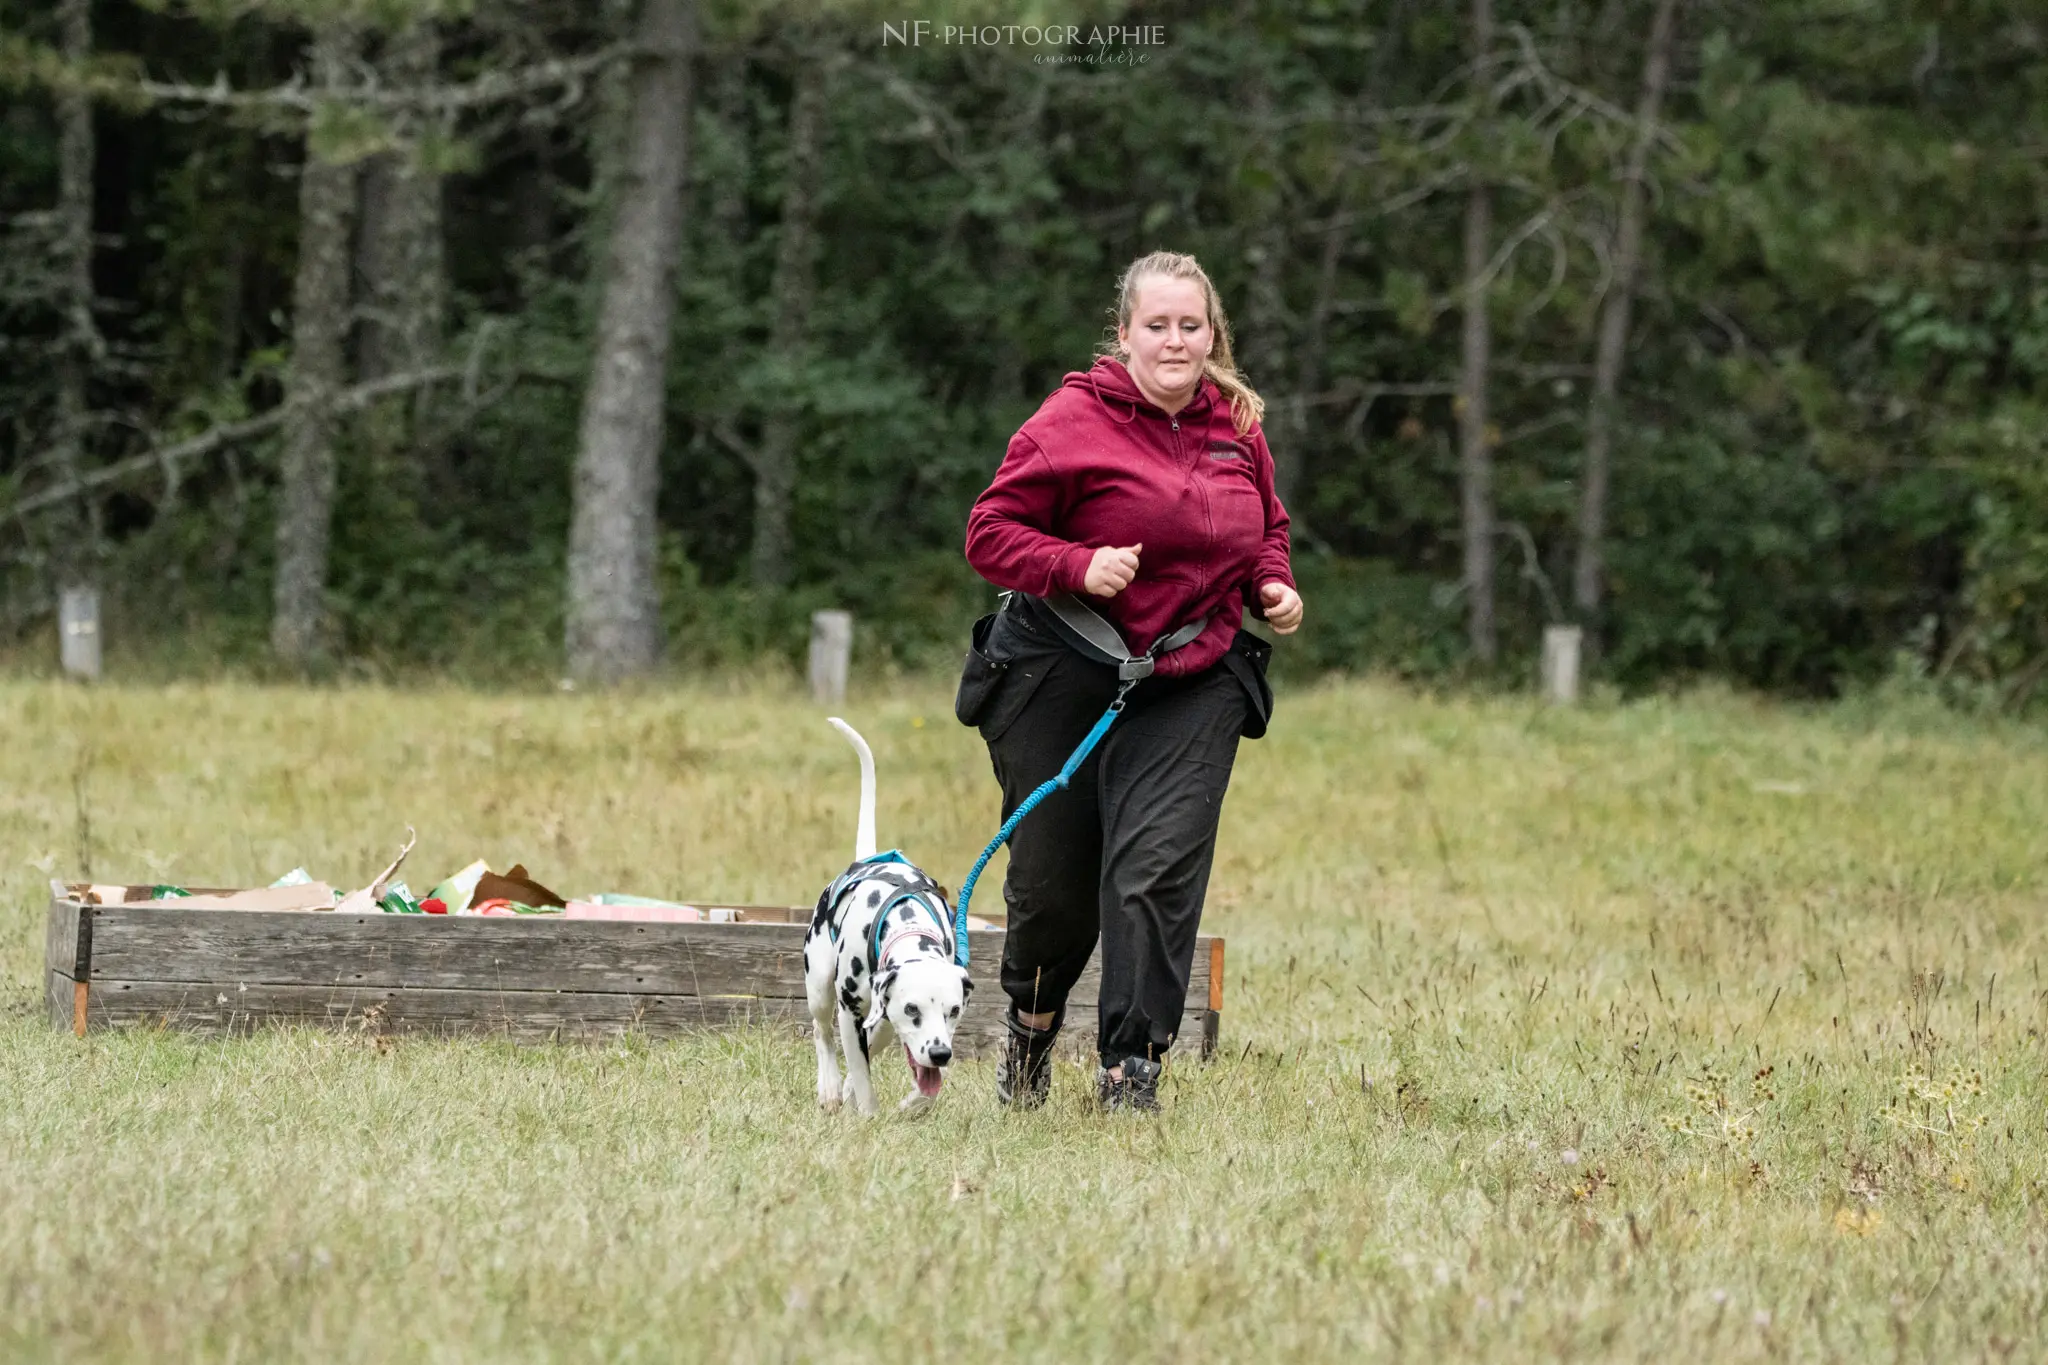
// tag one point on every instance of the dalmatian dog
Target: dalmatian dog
(878, 962)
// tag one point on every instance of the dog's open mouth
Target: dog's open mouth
(928, 1078)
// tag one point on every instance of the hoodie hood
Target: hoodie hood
(1111, 383)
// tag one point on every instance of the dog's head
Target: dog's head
(922, 999)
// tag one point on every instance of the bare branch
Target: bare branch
(1538, 223)
(168, 457)
(934, 123)
(1535, 69)
(1559, 260)
(295, 96)
(1532, 567)
(722, 428)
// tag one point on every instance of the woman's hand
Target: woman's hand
(1282, 606)
(1112, 570)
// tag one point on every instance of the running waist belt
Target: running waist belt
(1089, 635)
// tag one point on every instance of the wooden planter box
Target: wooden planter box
(533, 977)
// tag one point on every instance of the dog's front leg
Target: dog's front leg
(828, 1067)
(860, 1086)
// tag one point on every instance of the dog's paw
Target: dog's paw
(916, 1103)
(829, 1101)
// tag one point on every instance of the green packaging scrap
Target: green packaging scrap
(398, 901)
(459, 890)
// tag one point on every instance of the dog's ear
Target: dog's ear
(879, 996)
(966, 984)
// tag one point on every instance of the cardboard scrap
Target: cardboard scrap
(305, 896)
(365, 900)
(513, 886)
(99, 893)
(666, 914)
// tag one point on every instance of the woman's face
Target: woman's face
(1167, 338)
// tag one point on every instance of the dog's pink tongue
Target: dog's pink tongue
(928, 1078)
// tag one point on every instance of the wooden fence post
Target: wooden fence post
(78, 633)
(831, 647)
(1561, 664)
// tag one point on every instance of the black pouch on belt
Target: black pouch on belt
(979, 675)
(1008, 656)
(1247, 660)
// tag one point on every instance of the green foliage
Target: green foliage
(1827, 448)
(1370, 615)
(2008, 554)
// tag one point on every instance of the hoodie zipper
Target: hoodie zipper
(1192, 473)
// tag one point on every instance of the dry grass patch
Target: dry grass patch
(1689, 1027)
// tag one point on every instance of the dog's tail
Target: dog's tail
(864, 837)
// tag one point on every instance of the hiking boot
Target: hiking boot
(1024, 1071)
(1138, 1090)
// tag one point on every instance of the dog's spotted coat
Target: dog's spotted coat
(865, 978)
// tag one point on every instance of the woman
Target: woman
(1144, 489)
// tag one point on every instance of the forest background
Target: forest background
(525, 339)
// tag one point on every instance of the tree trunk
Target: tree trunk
(1588, 578)
(609, 145)
(614, 621)
(775, 460)
(401, 274)
(320, 310)
(1475, 453)
(75, 553)
(400, 260)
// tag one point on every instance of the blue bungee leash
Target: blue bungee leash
(1095, 638)
(1046, 788)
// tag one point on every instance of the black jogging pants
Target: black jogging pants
(1123, 853)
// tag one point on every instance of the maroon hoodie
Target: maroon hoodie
(1098, 464)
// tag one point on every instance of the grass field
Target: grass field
(1693, 1028)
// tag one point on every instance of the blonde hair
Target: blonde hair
(1246, 407)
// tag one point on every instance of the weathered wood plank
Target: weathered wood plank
(219, 1008)
(524, 954)
(456, 953)
(67, 939)
(215, 1008)
(57, 997)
